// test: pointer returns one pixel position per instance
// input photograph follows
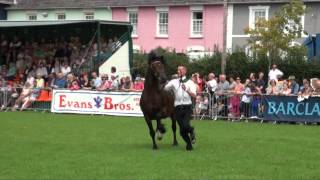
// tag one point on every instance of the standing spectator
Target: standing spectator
(252, 78)
(11, 72)
(222, 90)
(261, 83)
(256, 99)
(30, 79)
(212, 86)
(235, 98)
(245, 101)
(275, 73)
(294, 86)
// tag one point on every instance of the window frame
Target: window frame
(135, 25)
(196, 9)
(29, 14)
(59, 14)
(159, 11)
(88, 14)
(252, 10)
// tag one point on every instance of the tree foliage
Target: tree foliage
(275, 35)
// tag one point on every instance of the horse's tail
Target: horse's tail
(162, 128)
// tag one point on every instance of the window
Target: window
(196, 24)
(162, 21)
(133, 19)
(257, 12)
(32, 17)
(88, 15)
(61, 16)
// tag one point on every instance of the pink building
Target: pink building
(182, 26)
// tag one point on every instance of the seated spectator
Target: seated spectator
(273, 89)
(307, 90)
(60, 81)
(31, 79)
(294, 86)
(127, 84)
(84, 82)
(105, 84)
(114, 83)
(138, 84)
(316, 91)
(65, 69)
(24, 98)
(42, 70)
(286, 91)
(74, 85)
(96, 81)
(11, 72)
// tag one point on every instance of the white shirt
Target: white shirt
(273, 74)
(65, 70)
(181, 96)
(212, 85)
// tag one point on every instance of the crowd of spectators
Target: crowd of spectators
(241, 98)
(29, 66)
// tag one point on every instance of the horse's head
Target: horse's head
(157, 67)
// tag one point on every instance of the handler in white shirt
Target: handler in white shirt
(275, 73)
(184, 90)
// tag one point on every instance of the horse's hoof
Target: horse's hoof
(189, 147)
(175, 144)
(159, 135)
(155, 147)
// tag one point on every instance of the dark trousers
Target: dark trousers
(183, 116)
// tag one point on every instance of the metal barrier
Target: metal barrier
(236, 107)
(202, 106)
(18, 98)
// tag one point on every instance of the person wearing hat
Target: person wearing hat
(294, 86)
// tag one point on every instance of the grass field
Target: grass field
(36, 146)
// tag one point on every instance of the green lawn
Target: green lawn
(36, 146)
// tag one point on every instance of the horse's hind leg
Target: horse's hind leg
(174, 129)
(152, 133)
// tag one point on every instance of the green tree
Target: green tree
(274, 37)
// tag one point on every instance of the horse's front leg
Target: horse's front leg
(151, 132)
(174, 129)
(160, 129)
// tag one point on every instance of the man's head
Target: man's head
(182, 70)
(222, 77)
(211, 76)
(94, 75)
(261, 74)
(292, 78)
(274, 66)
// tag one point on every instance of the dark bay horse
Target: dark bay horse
(155, 102)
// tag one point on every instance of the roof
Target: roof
(56, 4)
(67, 4)
(50, 23)
(6, 1)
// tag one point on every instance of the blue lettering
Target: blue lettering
(272, 107)
(290, 109)
(316, 109)
(281, 108)
(307, 108)
(297, 109)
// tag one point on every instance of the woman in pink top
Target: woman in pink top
(235, 99)
(138, 84)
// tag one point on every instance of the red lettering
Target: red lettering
(70, 103)
(83, 105)
(116, 106)
(61, 101)
(122, 106)
(108, 103)
(128, 107)
(89, 105)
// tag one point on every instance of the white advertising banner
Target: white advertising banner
(96, 102)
